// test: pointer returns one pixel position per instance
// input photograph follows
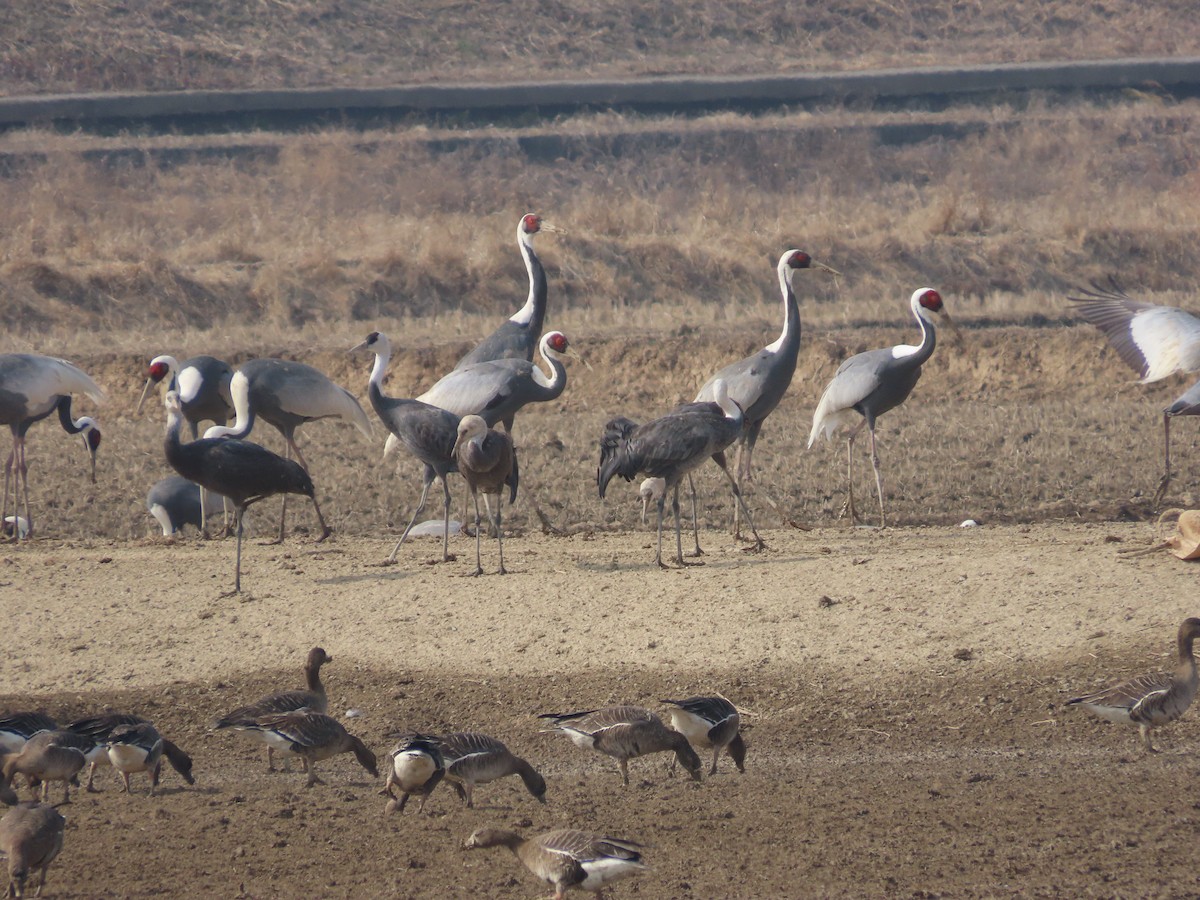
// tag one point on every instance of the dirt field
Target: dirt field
(906, 685)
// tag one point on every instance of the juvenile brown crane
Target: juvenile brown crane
(487, 462)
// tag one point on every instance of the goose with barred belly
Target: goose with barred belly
(567, 858)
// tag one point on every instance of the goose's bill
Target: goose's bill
(830, 269)
(142, 399)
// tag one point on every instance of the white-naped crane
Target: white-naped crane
(1154, 341)
(287, 394)
(499, 388)
(244, 472)
(32, 387)
(670, 447)
(757, 383)
(869, 384)
(518, 337)
(487, 461)
(427, 432)
(202, 383)
(174, 502)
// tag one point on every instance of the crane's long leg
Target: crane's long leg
(23, 469)
(878, 477)
(237, 566)
(1166, 478)
(496, 521)
(8, 470)
(416, 512)
(446, 519)
(740, 503)
(662, 502)
(478, 565)
(326, 531)
(737, 519)
(695, 520)
(678, 533)
(848, 508)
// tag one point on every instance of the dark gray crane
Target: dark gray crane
(1154, 341)
(496, 390)
(518, 337)
(202, 383)
(174, 502)
(757, 383)
(487, 462)
(287, 394)
(32, 387)
(244, 472)
(670, 447)
(427, 432)
(869, 384)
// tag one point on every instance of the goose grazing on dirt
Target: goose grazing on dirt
(18, 727)
(100, 728)
(135, 748)
(567, 858)
(711, 722)
(487, 461)
(427, 432)
(472, 758)
(312, 699)
(416, 768)
(518, 337)
(311, 736)
(31, 836)
(43, 759)
(1154, 700)
(624, 732)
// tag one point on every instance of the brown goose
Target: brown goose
(31, 835)
(135, 748)
(313, 699)
(624, 732)
(44, 759)
(1150, 701)
(417, 768)
(100, 727)
(312, 736)
(18, 727)
(567, 858)
(711, 722)
(472, 758)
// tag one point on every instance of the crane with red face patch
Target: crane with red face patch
(1156, 342)
(869, 384)
(202, 383)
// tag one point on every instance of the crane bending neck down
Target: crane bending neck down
(243, 423)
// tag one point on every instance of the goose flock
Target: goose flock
(463, 425)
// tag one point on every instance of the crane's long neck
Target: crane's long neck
(70, 425)
(243, 423)
(375, 385)
(533, 313)
(553, 384)
(918, 355)
(172, 444)
(789, 338)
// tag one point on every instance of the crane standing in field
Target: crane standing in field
(1156, 342)
(757, 383)
(487, 461)
(427, 432)
(670, 447)
(244, 472)
(518, 337)
(869, 384)
(32, 387)
(202, 383)
(287, 394)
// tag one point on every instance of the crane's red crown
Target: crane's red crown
(158, 371)
(931, 300)
(557, 341)
(532, 223)
(799, 260)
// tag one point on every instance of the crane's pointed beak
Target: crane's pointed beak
(552, 228)
(357, 347)
(145, 391)
(830, 269)
(572, 352)
(959, 341)
(92, 456)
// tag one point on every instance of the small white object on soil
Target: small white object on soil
(433, 528)
(969, 523)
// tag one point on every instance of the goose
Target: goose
(1154, 700)
(18, 727)
(711, 722)
(44, 760)
(135, 748)
(100, 727)
(624, 732)
(93, 753)
(567, 858)
(31, 836)
(312, 736)
(472, 758)
(417, 768)
(312, 699)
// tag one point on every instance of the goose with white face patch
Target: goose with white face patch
(567, 858)
(669, 448)
(518, 337)
(1154, 341)
(498, 389)
(427, 432)
(869, 384)
(757, 383)
(287, 394)
(1151, 701)
(32, 387)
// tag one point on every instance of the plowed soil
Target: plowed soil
(904, 687)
